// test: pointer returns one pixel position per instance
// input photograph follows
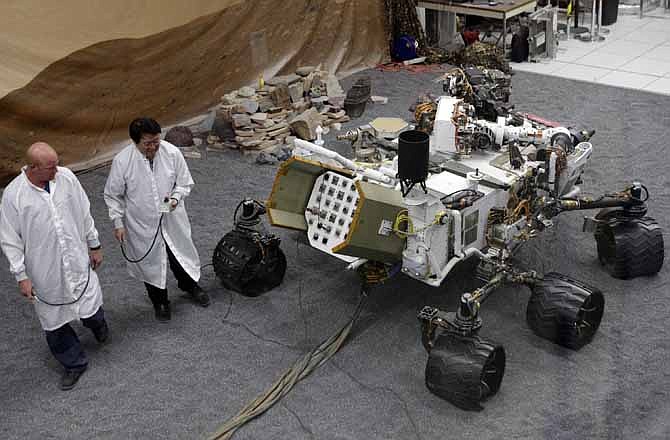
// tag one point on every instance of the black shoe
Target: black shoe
(199, 296)
(70, 378)
(101, 334)
(163, 312)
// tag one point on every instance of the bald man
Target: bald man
(49, 237)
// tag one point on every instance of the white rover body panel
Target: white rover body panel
(496, 198)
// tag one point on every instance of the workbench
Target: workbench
(504, 10)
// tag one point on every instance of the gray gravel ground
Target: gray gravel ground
(183, 379)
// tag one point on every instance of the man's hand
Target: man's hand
(120, 234)
(96, 258)
(173, 203)
(26, 288)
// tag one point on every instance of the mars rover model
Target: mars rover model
(472, 187)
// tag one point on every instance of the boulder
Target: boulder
(304, 125)
(180, 136)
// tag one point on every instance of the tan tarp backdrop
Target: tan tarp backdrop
(74, 73)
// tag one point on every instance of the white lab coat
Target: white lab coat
(133, 193)
(46, 237)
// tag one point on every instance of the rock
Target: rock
(268, 123)
(317, 88)
(274, 127)
(191, 154)
(337, 115)
(212, 139)
(265, 104)
(337, 100)
(218, 147)
(244, 133)
(296, 91)
(239, 108)
(250, 105)
(336, 126)
(304, 125)
(180, 136)
(305, 70)
(241, 120)
(259, 117)
(277, 133)
(289, 140)
(284, 79)
(300, 106)
(379, 99)
(330, 122)
(229, 99)
(268, 144)
(274, 110)
(251, 144)
(283, 153)
(197, 141)
(281, 97)
(319, 102)
(264, 158)
(246, 92)
(223, 125)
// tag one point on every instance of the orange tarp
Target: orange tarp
(75, 72)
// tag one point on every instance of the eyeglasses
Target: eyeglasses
(151, 143)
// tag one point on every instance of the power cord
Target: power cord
(42, 300)
(153, 242)
(301, 369)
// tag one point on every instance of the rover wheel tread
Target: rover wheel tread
(464, 370)
(630, 247)
(565, 311)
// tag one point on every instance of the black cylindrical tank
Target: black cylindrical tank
(413, 148)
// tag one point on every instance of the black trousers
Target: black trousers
(65, 345)
(184, 281)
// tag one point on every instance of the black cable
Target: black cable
(42, 300)
(465, 190)
(230, 307)
(646, 192)
(237, 208)
(159, 229)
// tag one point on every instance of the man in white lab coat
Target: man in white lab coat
(145, 194)
(50, 240)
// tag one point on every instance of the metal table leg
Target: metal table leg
(504, 36)
(594, 9)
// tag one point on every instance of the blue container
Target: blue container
(404, 48)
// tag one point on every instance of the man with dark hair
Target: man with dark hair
(50, 240)
(145, 194)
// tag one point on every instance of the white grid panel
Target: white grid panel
(330, 211)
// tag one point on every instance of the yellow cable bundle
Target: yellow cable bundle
(403, 216)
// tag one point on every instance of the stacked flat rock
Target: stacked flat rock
(266, 119)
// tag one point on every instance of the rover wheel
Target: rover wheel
(464, 370)
(629, 247)
(565, 311)
(247, 267)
